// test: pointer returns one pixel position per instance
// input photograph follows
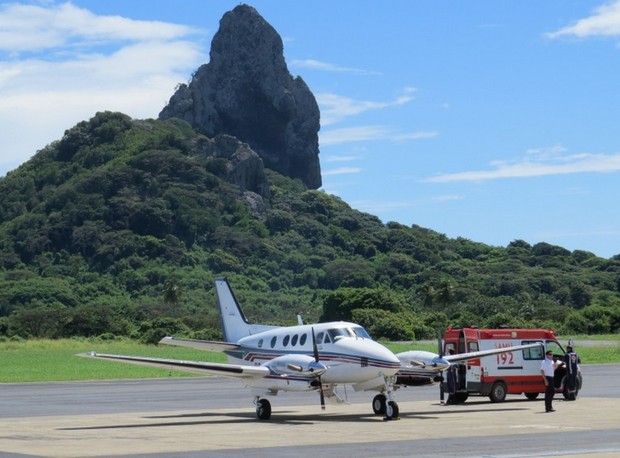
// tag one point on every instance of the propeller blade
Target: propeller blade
(315, 350)
(321, 393)
(315, 347)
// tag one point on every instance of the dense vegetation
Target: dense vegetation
(120, 227)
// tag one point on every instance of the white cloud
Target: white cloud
(335, 108)
(98, 63)
(367, 133)
(34, 28)
(539, 162)
(311, 64)
(341, 171)
(604, 22)
(340, 158)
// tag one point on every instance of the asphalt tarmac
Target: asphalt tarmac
(214, 417)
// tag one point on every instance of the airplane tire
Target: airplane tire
(498, 392)
(391, 410)
(263, 409)
(378, 404)
(531, 396)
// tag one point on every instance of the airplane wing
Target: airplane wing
(209, 345)
(201, 367)
(495, 351)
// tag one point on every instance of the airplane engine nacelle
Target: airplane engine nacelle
(423, 360)
(295, 365)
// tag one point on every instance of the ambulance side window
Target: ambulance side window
(532, 353)
(472, 346)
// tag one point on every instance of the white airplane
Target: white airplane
(316, 357)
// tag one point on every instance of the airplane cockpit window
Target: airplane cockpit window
(339, 333)
(285, 340)
(361, 332)
(319, 338)
(273, 341)
(302, 340)
(294, 340)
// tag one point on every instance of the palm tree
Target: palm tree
(172, 292)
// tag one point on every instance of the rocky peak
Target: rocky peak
(247, 91)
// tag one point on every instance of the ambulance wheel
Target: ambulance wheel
(391, 410)
(498, 392)
(378, 404)
(263, 409)
(531, 396)
(571, 395)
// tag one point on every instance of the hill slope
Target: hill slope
(121, 226)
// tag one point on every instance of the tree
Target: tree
(172, 293)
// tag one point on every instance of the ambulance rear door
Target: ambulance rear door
(469, 342)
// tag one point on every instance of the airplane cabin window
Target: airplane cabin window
(302, 340)
(319, 338)
(273, 341)
(294, 340)
(286, 339)
(260, 343)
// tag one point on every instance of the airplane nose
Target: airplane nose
(440, 363)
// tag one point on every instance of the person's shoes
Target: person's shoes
(552, 410)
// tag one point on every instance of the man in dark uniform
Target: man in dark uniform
(571, 363)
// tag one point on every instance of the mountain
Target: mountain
(119, 228)
(247, 91)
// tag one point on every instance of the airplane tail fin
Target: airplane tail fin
(234, 323)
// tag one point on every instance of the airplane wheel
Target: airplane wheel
(378, 404)
(263, 409)
(391, 410)
(531, 396)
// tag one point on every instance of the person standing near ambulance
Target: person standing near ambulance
(547, 370)
(571, 363)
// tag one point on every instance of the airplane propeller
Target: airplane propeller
(315, 349)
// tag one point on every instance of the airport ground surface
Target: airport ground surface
(214, 417)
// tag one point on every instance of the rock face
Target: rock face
(247, 91)
(244, 166)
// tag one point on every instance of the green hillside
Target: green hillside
(120, 227)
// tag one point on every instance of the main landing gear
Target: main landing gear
(383, 404)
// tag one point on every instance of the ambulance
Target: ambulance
(506, 373)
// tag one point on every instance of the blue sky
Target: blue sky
(489, 120)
